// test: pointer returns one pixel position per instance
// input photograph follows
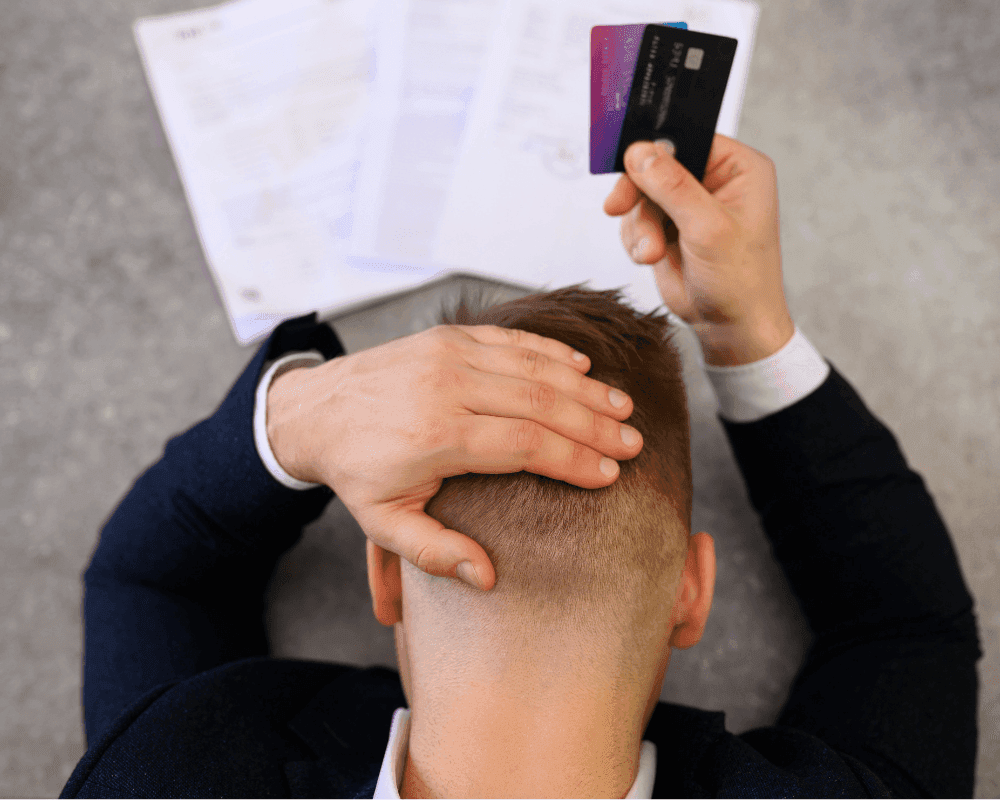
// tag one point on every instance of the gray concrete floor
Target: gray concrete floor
(883, 121)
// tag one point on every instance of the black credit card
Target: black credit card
(677, 90)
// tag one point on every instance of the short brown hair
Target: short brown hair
(576, 555)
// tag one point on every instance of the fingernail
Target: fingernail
(667, 145)
(630, 436)
(609, 466)
(578, 356)
(640, 249)
(618, 399)
(468, 574)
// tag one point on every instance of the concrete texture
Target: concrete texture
(882, 119)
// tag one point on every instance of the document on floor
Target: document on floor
(336, 153)
(265, 105)
(431, 53)
(522, 201)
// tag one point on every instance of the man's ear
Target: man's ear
(385, 582)
(694, 594)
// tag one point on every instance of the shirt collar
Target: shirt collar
(391, 775)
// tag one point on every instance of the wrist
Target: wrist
(287, 402)
(734, 346)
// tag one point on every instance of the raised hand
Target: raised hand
(384, 427)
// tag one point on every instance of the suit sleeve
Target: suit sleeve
(177, 581)
(890, 676)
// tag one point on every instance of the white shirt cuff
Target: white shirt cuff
(750, 392)
(279, 367)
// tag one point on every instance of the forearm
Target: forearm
(177, 582)
(856, 531)
(826, 464)
(869, 559)
(167, 595)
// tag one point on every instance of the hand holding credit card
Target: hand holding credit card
(653, 82)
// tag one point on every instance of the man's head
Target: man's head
(586, 579)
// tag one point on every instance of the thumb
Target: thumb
(437, 550)
(668, 183)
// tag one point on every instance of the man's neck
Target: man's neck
(508, 755)
(547, 783)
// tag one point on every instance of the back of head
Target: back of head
(590, 564)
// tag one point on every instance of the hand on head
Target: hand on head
(384, 427)
(715, 246)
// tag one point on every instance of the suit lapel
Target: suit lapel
(346, 724)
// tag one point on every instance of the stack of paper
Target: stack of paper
(335, 152)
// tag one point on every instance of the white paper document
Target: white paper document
(336, 152)
(264, 104)
(523, 201)
(431, 53)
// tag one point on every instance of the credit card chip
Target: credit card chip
(694, 57)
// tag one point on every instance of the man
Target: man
(544, 680)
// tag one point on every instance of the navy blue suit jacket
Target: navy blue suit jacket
(182, 699)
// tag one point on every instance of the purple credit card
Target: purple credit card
(614, 52)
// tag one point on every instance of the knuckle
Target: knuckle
(514, 335)
(433, 377)
(432, 435)
(423, 558)
(439, 334)
(446, 337)
(435, 342)
(447, 380)
(579, 456)
(534, 363)
(675, 180)
(598, 427)
(531, 340)
(542, 398)
(526, 438)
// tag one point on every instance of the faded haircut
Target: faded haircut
(591, 559)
